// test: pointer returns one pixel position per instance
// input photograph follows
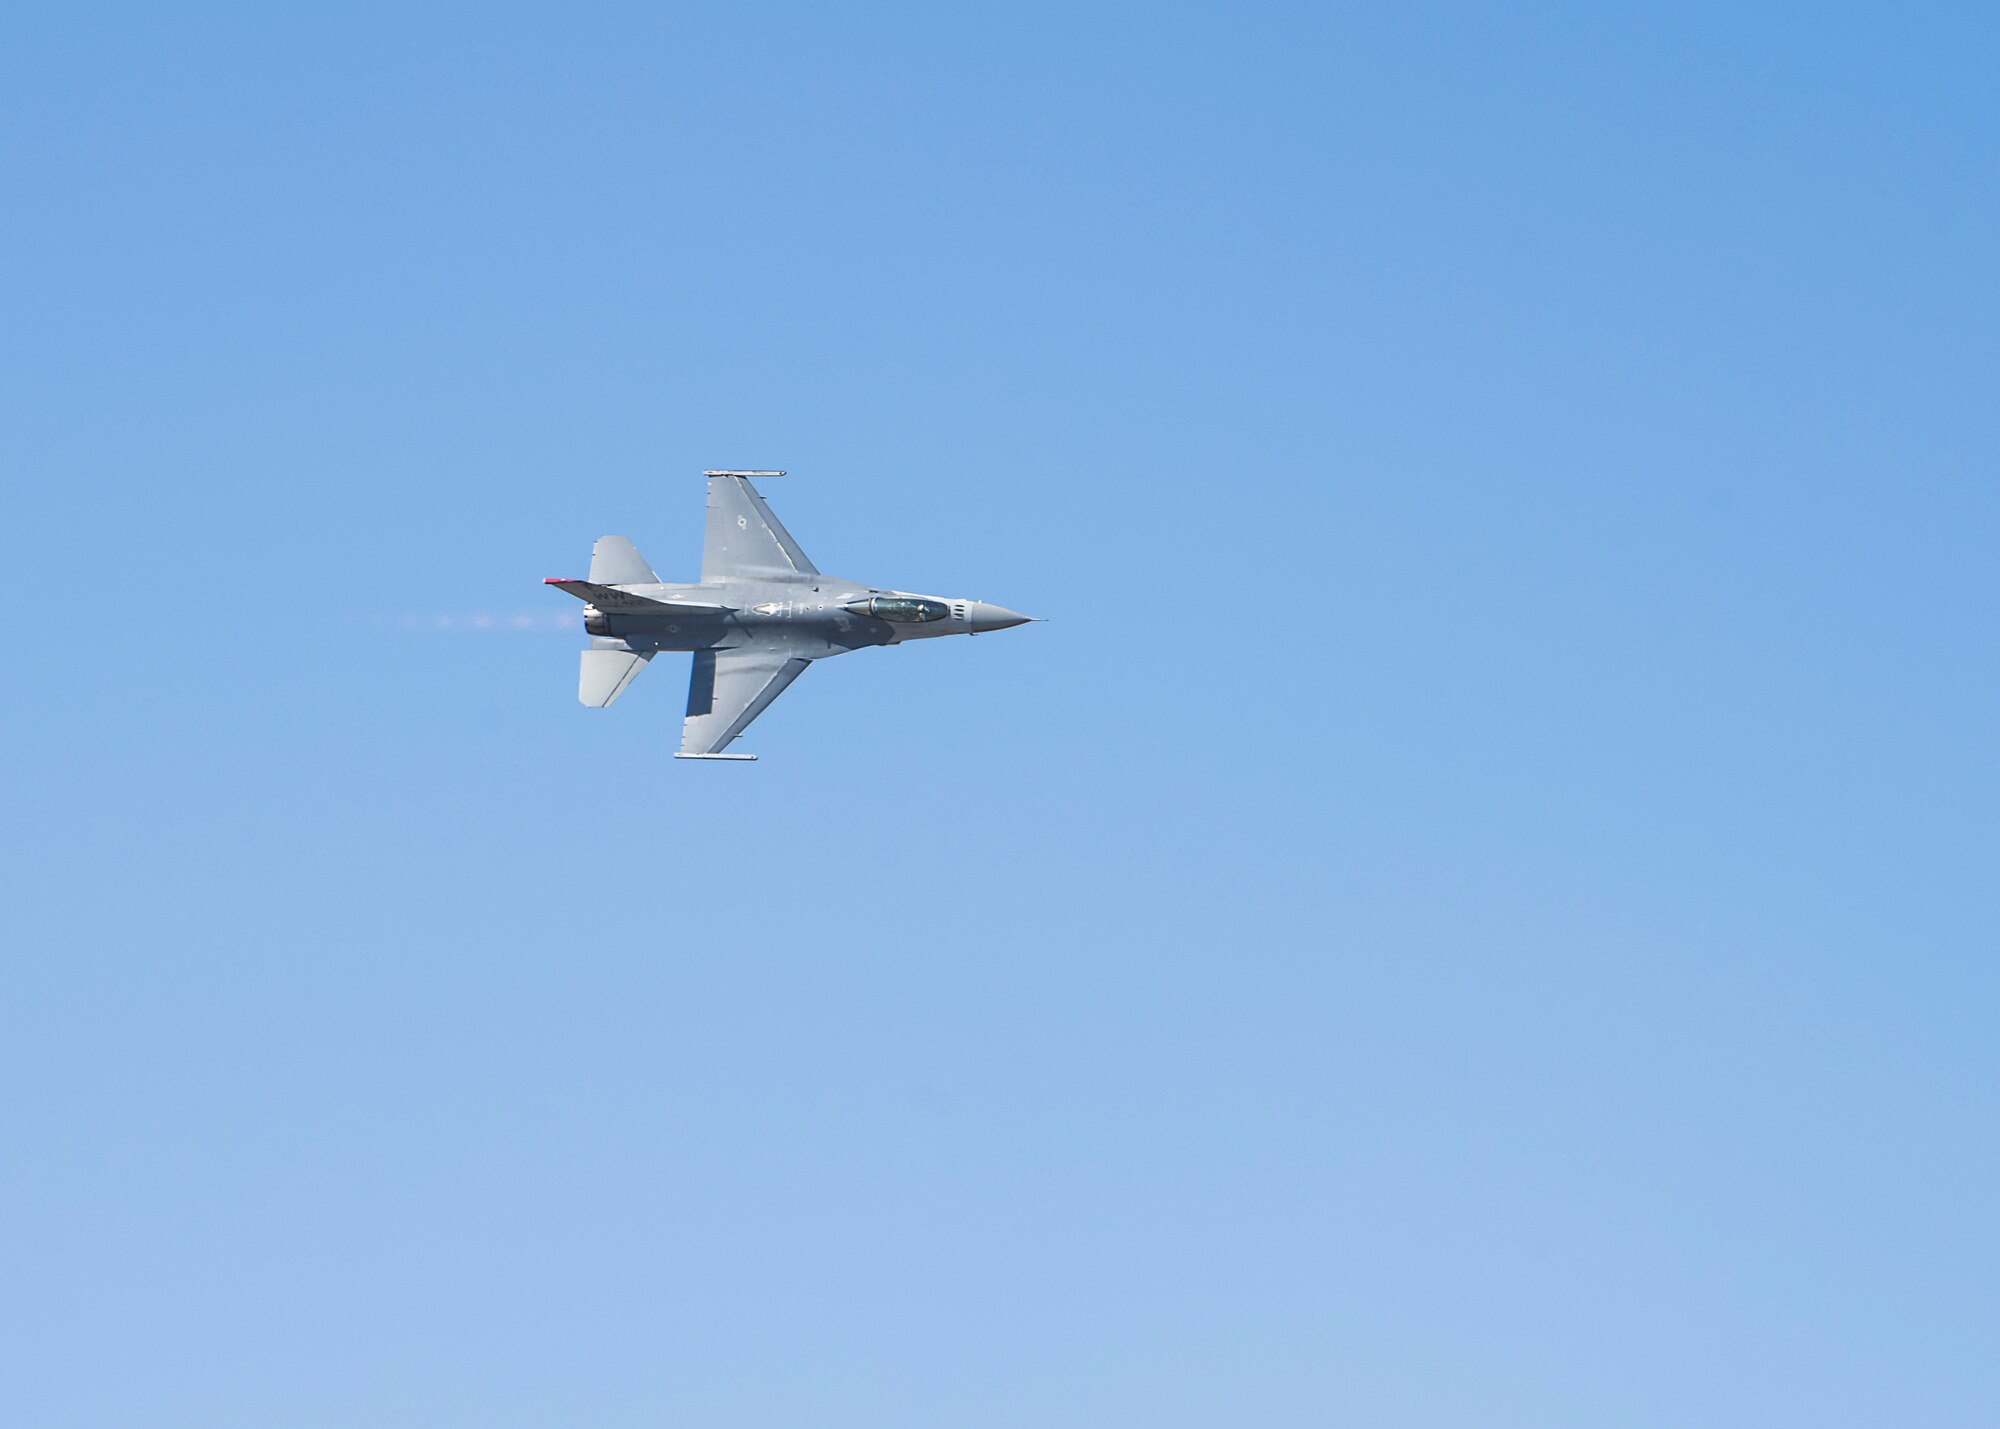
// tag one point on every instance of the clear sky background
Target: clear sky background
(1478, 909)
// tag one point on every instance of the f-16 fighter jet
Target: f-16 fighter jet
(760, 614)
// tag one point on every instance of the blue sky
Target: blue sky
(1477, 908)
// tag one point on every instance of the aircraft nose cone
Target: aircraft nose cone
(983, 617)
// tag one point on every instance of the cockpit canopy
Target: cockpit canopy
(903, 609)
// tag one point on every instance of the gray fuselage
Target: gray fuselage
(828, 616)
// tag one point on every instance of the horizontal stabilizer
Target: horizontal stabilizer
(607, 670)
(616, 561)
(606, 597)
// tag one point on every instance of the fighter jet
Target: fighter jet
(760, 614)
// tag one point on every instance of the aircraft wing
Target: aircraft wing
(744, 541)
(727, 690)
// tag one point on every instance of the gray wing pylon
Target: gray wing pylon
(616, 561)
(608, 667)
(729, 688)
(744, 541)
